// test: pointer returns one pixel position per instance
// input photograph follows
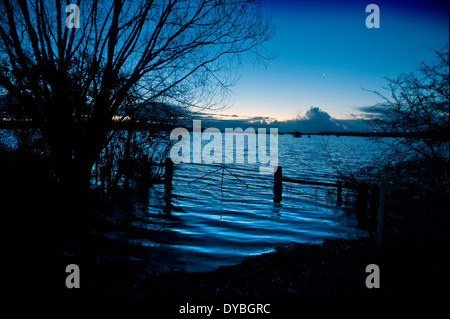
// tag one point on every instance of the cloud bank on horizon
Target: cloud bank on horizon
(314, 120)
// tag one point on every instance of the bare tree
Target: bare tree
(72, 82)
(417, 104)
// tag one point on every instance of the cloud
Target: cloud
(260, 119)
(315, 120)
(222, 124)
(375, 110)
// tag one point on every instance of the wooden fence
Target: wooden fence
(385, 202)
(278, 180)
(395, 207)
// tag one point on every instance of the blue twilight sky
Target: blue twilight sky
(327, 55)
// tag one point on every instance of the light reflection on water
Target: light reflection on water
(219, 219)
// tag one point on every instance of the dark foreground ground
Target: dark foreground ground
(40, 240)
(333, 269)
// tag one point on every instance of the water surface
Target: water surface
(217, 216)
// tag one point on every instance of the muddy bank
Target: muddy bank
(334, 269)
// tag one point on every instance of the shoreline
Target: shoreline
(46, 235)
(334, 269)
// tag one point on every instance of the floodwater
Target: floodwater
(217, 216)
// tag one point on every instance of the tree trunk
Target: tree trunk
(73, 155)
(74, 174)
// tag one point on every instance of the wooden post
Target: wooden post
(361, 203)
(383, 188)
(168, 175)
(339, 192)
(371, 212)
(409, 211)
(108, 177)
(277, 185)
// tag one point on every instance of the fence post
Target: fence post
(381, 203)
(168, 175)
(277, 185)
(339, 192)
(361, 203)
(409, 211)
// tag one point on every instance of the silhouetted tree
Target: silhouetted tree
(72, 82)
(418, 104)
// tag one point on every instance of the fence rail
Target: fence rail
(382, 198)
(278, 179)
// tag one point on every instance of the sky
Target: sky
(327, 58)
